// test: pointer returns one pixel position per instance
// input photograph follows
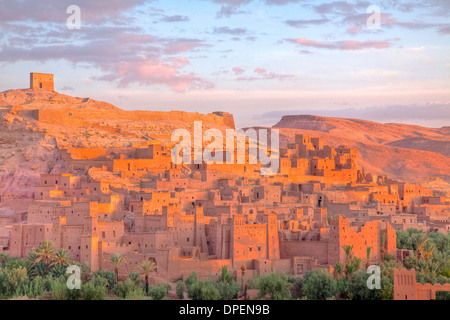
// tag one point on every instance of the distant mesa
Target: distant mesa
(308, 122)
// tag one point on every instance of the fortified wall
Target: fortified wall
(406, 287)
(80, 117)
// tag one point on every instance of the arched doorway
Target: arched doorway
(152, 259)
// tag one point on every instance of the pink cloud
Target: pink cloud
(238, 70)
(150, 71)
(182, 45)
(122, 55)
(264, 75)
(44, 10)
(354, 30)
(343, 45)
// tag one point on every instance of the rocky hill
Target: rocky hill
(34, 125)
(398, 150)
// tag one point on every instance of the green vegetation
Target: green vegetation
(431, 255)
(42, 275)
(225, 288)
(181, 287)
(430, 258)
(319, 285)
(276, 286)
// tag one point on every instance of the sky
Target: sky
(257, 59)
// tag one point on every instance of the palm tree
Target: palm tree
(387, 268)
(338, 269)
(429, 249)
(383, 244)
(420, 240)
(3, 258)
(348, 252)
(368, 252)
(243, 269)
(62, 257)
(116, 260)
(147, 268)
(45, 253)
(225, 275)
(355, 265)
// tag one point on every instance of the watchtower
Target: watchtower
(41, 81)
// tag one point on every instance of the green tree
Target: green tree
(94, 289)
(180, 289)
(117, 260)
(191, 279)
(124, 289)
(429, 249)
(229, 290)
(3, 259)
(319, 285)
(276, 285)
(338, 270)
(368, 253)
(203, 290)
(147, 267)
(108, 276)
(62, 257)
(45, 253)
(348, 260)
(60, 291)
(383, 245)
(136, 278)
(15, 280)
(420, 239)
(36, 287)
(159, 292)
(358, 290)
(225, 275)
(441, 241)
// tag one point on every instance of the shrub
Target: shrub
(15, 281)
(36, 287)
(297, 288)
(319, 285)
(136, 294)
(229, 290)
(180, 289)
(158, 292)
(191, 279)
(203, 290)
(123, 289)
(225, 275)
(275, 285)
(93, 291)
(136, 278)
(357, 288)
(59, 290)
(106, 275)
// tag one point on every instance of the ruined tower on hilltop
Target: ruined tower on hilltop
(41, 81)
